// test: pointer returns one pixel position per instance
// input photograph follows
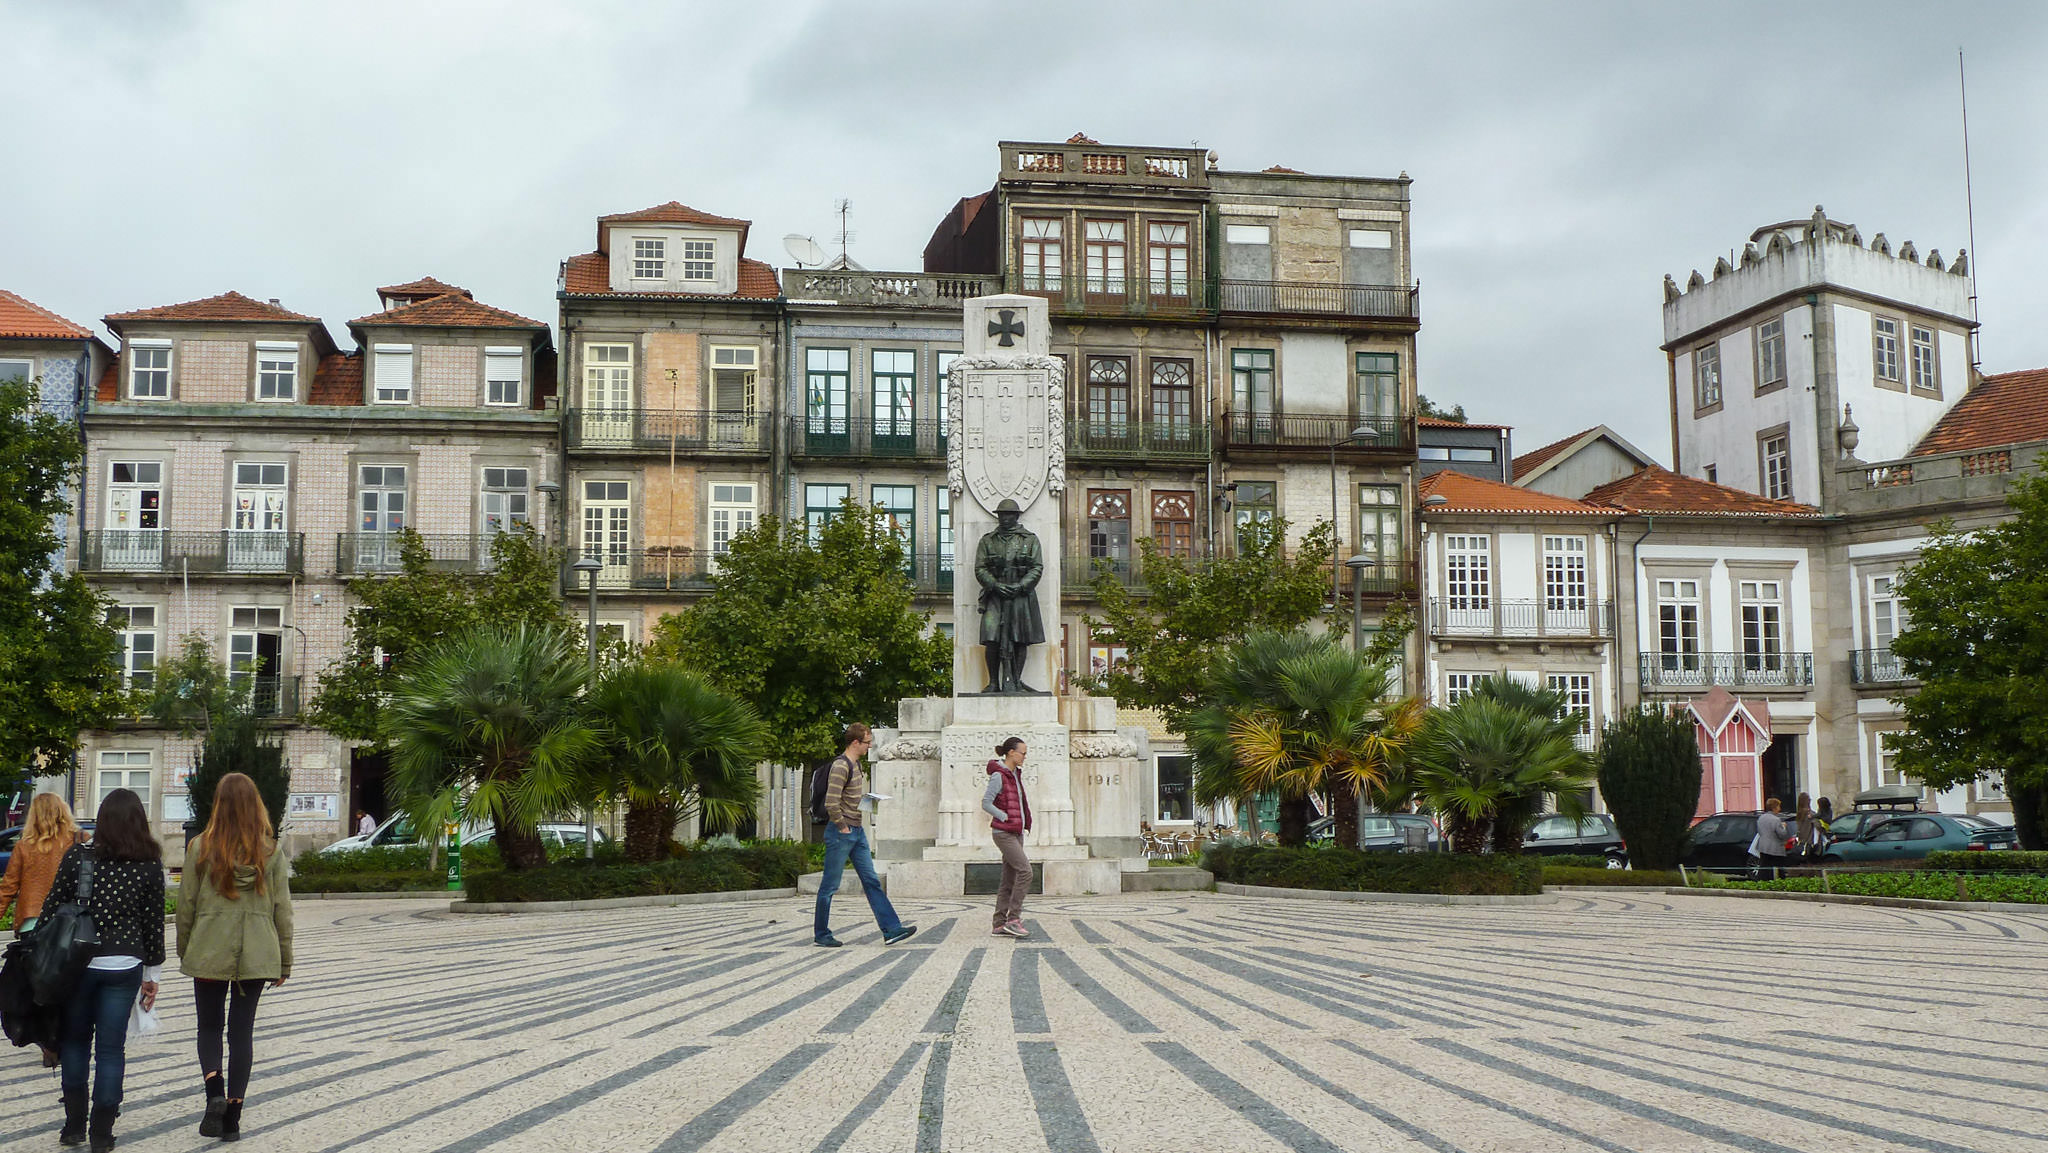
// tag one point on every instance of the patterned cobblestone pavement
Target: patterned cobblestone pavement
(1174, 1023)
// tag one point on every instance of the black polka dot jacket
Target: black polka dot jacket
(127, 903)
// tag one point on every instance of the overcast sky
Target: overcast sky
(1565, 156)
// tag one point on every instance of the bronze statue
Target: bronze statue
(1008, 563)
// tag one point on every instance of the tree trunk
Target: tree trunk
(1507, 836)
(520, 848)
(1344, 806)
(648, 829)
(2029, 813)
(1294, 815)
(1467, 835)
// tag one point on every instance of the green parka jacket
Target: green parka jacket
(248, 938)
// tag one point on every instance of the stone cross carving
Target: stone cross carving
(1006, 328)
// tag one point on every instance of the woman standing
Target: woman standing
(127, 906)
(234, 934)
(48, 835)
(1004, 801)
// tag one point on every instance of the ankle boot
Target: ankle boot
(231, 1122)
(216, 1107)
(102, 1127)
(73, 1132)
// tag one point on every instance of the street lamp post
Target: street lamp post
(590, 566)
(1357, 564)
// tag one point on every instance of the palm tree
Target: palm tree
(490, 721)
(1550, 705)
(678, 747)
(1298, 715)
(1484, 764)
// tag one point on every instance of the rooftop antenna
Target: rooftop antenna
(842, 207)
(1970, 210)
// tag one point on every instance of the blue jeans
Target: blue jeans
(839, 848)
(99, 1007)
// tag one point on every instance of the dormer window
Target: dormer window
(650, 258)
(277, 370)
(698, 259)
(149, 369)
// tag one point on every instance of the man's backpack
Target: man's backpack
(821, 784)
(65, 939)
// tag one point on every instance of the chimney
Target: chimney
(273, 300)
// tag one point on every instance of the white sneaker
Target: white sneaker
(1014, 929)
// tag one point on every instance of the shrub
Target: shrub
(1574, 861)
(1645, 878)
(1650, 779)
(393, 881)
(2015, 888)
(1963, 861)
(1351, 871)
(765, 865)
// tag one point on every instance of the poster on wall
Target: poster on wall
(312, 807)
(177, 807)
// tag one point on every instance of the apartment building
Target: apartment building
(61, 358)
(243, 470)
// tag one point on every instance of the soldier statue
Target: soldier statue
(1008, 563)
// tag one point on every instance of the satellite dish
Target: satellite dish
(803, 250)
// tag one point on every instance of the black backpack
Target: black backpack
(65, 939)
(821, 784)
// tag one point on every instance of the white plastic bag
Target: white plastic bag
(142, 1022)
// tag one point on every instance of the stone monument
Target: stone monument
(1006, 468)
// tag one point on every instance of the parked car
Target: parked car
(1381, 832)
(1912, 836)
(1720, 842)
(1871, 806)
(1592, 835)
(555, 833)
(396, 832)
(8, 838)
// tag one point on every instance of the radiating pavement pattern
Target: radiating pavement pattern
(1195, 1023)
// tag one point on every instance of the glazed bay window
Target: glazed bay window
(822, 505)
(732, 513)
(1167, 256)
(1706, 376)
(1776, 453)
(1173, 523)
(256, 538)
(135, 625)
(381, 504)
(700, 260)
(134, 536)
(1173, 403)
(1678, 625)
(256, 656)
(1770, 353)
(1255, 506)
(1887, 612)
(607, 414)
(944, 515)
(16, 368)
(277, 370)
(1565, 603)
(1925, 377)
(897, 512)
(1884, 348)
(1252, 395)
(1041, 254)
(1109, 397)
(1105, 257)
(608, 528)
(1458, 686)
(828, 383)
(1577, 691)
(1379, 536)
(735, 395)
(149, 369)
(894, 375)
(1109, 530)
(1763, 626)
(504, 376)
(123, 769)
(504, 500)
(650, 258)
(1468, 583)
(1377, 392)
(392, 373)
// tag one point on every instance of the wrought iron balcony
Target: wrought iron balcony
(1730, 670)
(274, 697)
(1319, 431)
(365, 553)
(1120, 295)
(667, 429)
(1877, 667)
(884, 438)
(1137, 440)
(1308, 298)
(931, 573)
(150, 550)
(885, 289)
(658, 569)
(1449, 616)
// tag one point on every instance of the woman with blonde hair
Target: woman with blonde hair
(48, 833)
(234, 934)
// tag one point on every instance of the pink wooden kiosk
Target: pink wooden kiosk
(1733, 734)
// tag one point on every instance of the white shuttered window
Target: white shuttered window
(393, 379)
(503, 370)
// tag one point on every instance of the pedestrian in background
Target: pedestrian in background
(126, 900)
(1771, 835)
(1009, 811)
(846, 839)
(47, 835)
(1806, 830)
(365, 823)
(234, 936)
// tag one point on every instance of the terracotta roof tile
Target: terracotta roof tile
(1439, 422)
(452, 310)
(1476, 494)
(23, 319)
(424, 286)
(109, 386)
(1529, 462)
(338, 380)
(1282, 170)
(590, 275)
(1082, 138)
(228, 306)
(671, 213)
(1661, 492)
(2009, 408)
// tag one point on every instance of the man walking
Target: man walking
(846, 839)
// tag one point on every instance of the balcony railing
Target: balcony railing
(365, 553)
(1876, 667)
(149, 550)
(269, 696)
(885, 289)
(1732, 670)
(1316, 431)
(1131, 295)
(932, 573)
(646, 569)
(1307, 298)
(663, 429)
(1144, 440)
(1521, 618)
(848, 437)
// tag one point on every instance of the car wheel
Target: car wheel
(1614, 862)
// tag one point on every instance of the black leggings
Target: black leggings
(210, 997)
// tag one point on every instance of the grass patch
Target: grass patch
(1926, 886)
(1352, 871)
(1963, 861)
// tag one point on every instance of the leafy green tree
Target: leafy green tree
(1512, 820)
(1192, 612)
(1976, 638)
(490, 722)
(59, 667)
(237, 743)
(192, 692)
(398, 616)
(1650, 777)
(811, 633)
(675, 747)
(1424, 407)
(1298, 715)
(1485, 761)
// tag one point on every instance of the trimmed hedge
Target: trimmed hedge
(1352, 871)
(1619, 878)
(1963, 861)
(2007, 887)
(393, 881)
(768, 865)
(1573, 861)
